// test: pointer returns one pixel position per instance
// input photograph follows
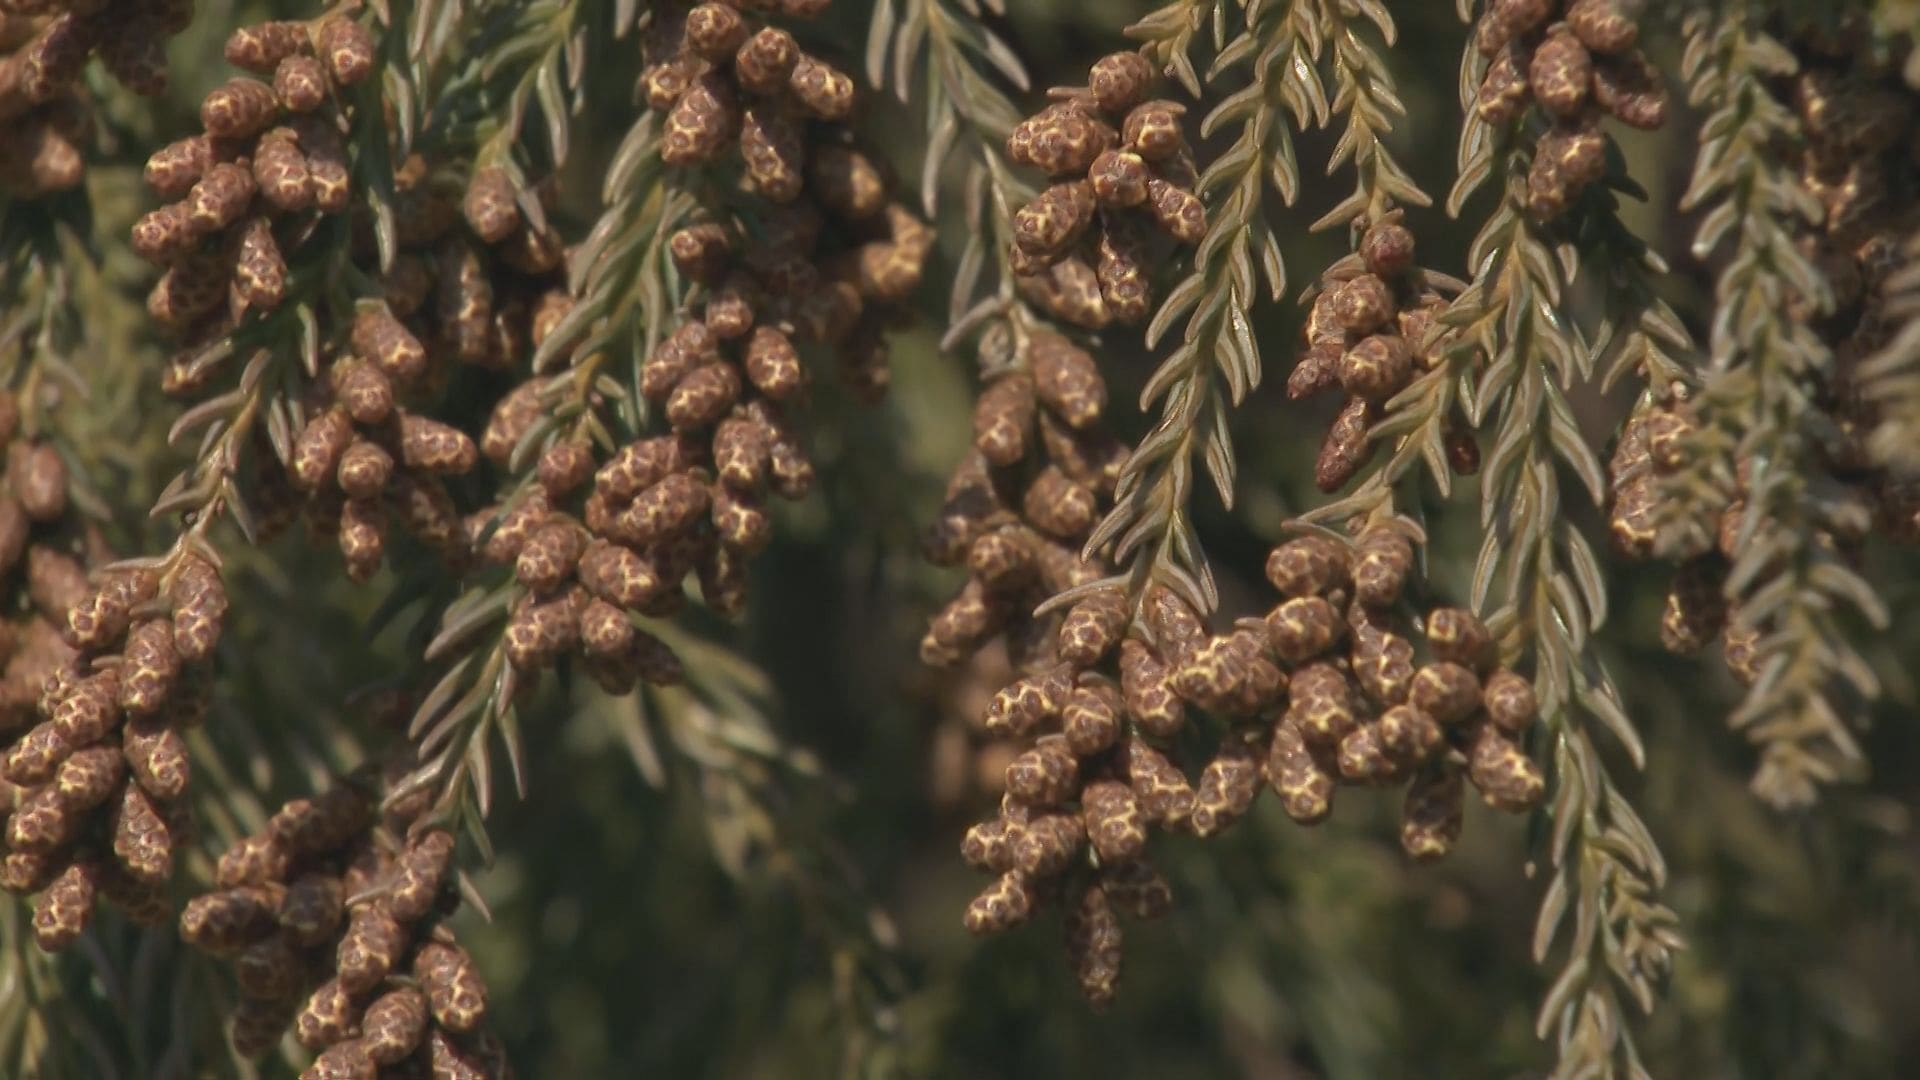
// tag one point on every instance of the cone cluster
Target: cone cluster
(333, 927)
(46, 116)
(1324, 691)
(1859, 162)
(97, 788)
(1041, 473)
(270, 153)
(1369, 334)
(1120, 175)
(1575, 63)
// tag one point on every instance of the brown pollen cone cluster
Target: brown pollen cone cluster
(1859, 160)
(1120, 171)
(45, 115)
(1323, 691)
(369, 452)
(832, 256)
(100, 808)
(333, 927)
(243, 189)
(1368, 334)
(1021, 504)
(1578, 63)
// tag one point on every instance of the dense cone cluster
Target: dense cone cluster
(1369, 333)
(1859, 162)
(484, 294)
(46, 117)
(333, 928)
(1120, 172)
(100, 805)
(832, 256)
(243, 189)
(1021, 504)
(1578, 62)
(1325, 690)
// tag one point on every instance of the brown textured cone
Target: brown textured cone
(1376, 368)
(1409, 737)
(319, 825)
(328, 180)
(773, 148)
(342, 1061)
(1696, 608)
(1458, 636)
(1003, 418)
(164, 235)
(1124, 270)
(1630, 88)
(1177, 629)
(1024, 704)
(669, 508)
(281, 173)
(1304, 627)
(371, 948)
(1510, 702)
(61, 914)
(144, 839)
(1137, 889)
(1005, 904)
(1145, 681)
(960, 627)
(53, 60)
(702, 123)
(1003, 558)
(1094, 939)
(348, 49)
(1091, 718)
(1044, 774)
(328, 1016)
(40, 479)
(821, 89)
(1303, 778)
(318, 448)
(1561, 72)
(1227, 785)
(1346, 447)
(990, 845)
(253, 860)
(238, 108)
(1431, 817)
(156, 752)
(1321, 703)
(1116, 827)
(90, 710)
(24, 873)
(1120, 81)
(364, 470)
(314, 907)
(1119, 179)
(1232, 673)
(846, 182)
(424, 867)
(300, 83)
(88, 778)
(1092, 628)
(548, 557)
(199, 611)
(773, 364)
(1055, 220)
(703, 396)
(621, 576)
(394, 1025)
(1069, 291)
(1507, 778)
(260, 47)
(464, 301)
(1152, 130)
(173, 169)
(224, 922)
(1504, 90)
(1384, 559)
(427, 445)
(455, 993)
(37, 756)
(259, 270)
(491, 205)
(1361, 305)
(1362, 756)
(362, 535)
(1383, 664)
(41, 823)
(1387, 248)
(1058, 506)
(1445, 691)
(1048, 843)
(1308, 566)
(1602, 25)
(1066, 380)
(764, 61)
(539, 633)
(1178, 212)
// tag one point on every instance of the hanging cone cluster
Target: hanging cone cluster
(270, 153)
(46, 117)
(1370, 332)
(100, 805)
(1120, 172)
(369, 453)
(1324, 691)
(333, 928)
(1577, 63)
(833, 257)
(1860, 163)
(1041, 473)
